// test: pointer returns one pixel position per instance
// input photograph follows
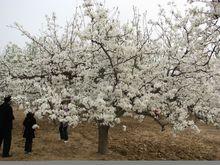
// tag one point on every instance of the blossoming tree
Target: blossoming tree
(107, 69)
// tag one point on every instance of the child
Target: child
(29, 129)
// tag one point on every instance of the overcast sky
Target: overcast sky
(31, 14)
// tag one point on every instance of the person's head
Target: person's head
(30, 115)
(66, 100)
(7, 99)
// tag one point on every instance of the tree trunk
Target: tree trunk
(103, 138)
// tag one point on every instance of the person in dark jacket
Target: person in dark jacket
(63, 131)
(63, 128)
(6, 123)
(30, 125)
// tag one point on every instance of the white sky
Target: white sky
(31, 14)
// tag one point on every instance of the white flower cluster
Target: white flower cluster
(102, 69)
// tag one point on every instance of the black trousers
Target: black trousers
(28, 145)
(5, 138)
(63, 132)
(1, 138)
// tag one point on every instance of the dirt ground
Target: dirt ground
(141, 141)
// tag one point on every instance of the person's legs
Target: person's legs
(7, 143)
(1, 138)
(28, 145)
(61, 130)
(65, 133)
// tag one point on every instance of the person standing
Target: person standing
(63, 128)
(30, 125)
(6, 125)
(63, 131)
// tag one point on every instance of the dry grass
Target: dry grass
(141, 141)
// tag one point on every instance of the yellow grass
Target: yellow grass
(141, 141)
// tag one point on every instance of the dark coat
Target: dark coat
(6, 117)
(29, 121)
